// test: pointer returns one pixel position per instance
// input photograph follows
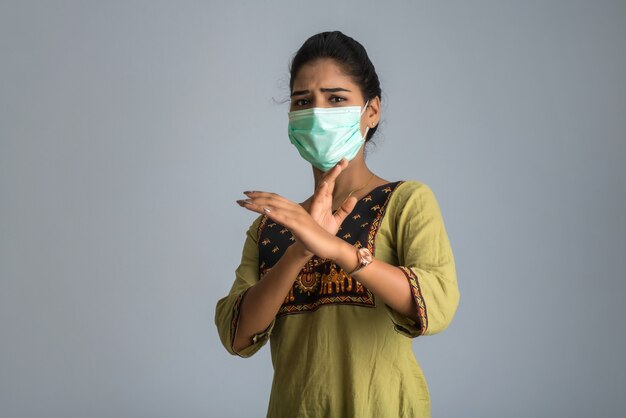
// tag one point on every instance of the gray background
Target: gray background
(128, 129)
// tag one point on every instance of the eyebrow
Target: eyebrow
(329, 90)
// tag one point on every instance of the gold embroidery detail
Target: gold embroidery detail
(336, 280)
(307, 281)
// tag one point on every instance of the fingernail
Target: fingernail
(248, 191)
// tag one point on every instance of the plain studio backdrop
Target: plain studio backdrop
(128, 130)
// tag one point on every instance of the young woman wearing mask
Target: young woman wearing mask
(341, 283)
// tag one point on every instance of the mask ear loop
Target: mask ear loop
(366, 126)
(364, 107)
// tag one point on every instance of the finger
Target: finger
(322, 190)
(272, 202)
(287, 218)
(263, 210)
(279, 210)
(258, 194)
(320, 186)
(321, 200)
(327, 185)
(346, 208)
(333, 173)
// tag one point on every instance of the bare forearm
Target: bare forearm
(263, 300)
(383, 279)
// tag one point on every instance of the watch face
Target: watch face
(365, 256)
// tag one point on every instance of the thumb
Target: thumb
(345, 209)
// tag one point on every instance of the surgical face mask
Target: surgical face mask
(323, 136)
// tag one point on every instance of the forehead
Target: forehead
(323, 72)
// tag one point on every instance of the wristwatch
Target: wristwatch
(365, 258)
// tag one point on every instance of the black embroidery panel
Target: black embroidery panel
(321, 281)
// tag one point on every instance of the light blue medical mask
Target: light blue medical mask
(323, 136)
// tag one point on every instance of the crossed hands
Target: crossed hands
(314, 230)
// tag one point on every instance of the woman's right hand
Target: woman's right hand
(321, 208)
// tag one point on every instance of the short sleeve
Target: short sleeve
(426, 260)
(227, 310)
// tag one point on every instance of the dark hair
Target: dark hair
(349, 54)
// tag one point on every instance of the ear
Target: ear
(373, 112)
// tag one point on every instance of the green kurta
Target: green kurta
(337, 351)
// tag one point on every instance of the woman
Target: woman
(341, 283)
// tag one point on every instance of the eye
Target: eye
(337, 99)
(301, 102)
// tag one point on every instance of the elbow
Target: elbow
(239, 345)
(226, 320)
(441, 318)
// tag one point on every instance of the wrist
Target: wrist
(299, 252)
(346, 256)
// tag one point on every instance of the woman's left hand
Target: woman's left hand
(295, 218)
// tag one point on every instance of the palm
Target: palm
(321, 211)
(322, 203)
